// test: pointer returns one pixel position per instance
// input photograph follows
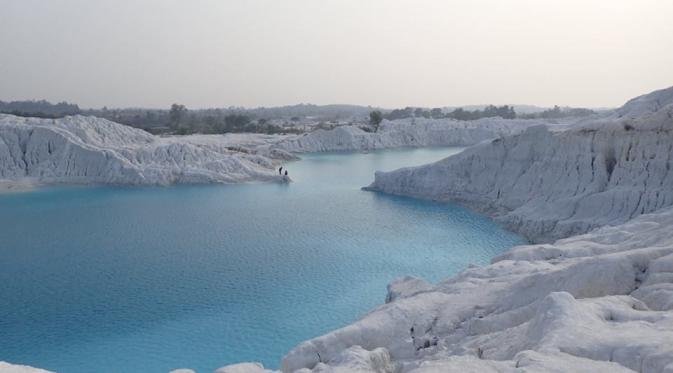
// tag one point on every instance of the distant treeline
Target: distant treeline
(180, 120)
(285, 119)
(505, 111)
(558, 112)
(41, 109)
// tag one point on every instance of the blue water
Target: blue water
(153, 279)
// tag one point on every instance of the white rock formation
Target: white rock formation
(356, 359)
(11, 368)
(88, 150)
(243, 368)
(600, 302)
(399, 133)
(406, 286)
(597, 302)
(553, 184)
(645, 104)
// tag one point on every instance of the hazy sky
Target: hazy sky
(394, 53)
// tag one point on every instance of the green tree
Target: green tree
(176, 115)
(375, 118)
(436, 113)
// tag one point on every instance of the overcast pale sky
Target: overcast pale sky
(394, 53)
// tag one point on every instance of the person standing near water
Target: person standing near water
(280, 170)
(285, 172)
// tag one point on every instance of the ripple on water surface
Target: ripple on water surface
(153, 279)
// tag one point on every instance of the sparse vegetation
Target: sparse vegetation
(40, 109)
(557, 112)
(177, 116)
(375, 118)
(505, 111)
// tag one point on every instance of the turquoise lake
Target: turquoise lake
(103, 279)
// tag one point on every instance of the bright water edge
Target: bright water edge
(154, 279)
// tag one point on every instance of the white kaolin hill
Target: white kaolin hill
(89, 150)
(597, 302)
(553, 184)
(401, 133)
(600, 302)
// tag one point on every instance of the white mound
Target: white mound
(597, 302)
(243, 368)
(549, 185)
(646, 104)
(87, 150)
(600, 302)
(400, 133)
(11, 368)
